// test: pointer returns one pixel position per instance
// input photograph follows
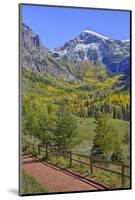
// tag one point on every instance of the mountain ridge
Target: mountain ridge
(35, 56)
(97, 49)
(64, 61)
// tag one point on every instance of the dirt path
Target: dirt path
(53, 178)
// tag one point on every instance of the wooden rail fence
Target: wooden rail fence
(123, 172)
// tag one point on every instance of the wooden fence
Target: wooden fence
(118, 168)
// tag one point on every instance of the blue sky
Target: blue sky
(56, 25)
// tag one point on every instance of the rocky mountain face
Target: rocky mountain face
(97, 49)
(35, 56)
(63, 61)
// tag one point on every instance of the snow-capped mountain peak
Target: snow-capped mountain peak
(96, 48)
(125, 40)
(95, 34)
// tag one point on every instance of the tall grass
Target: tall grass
(30, 185)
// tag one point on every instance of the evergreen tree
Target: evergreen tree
(106, 140)
(29, 117)
(46, 126)
(66, 129)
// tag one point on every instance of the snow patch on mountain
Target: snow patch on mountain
(60, 53)
(87, 46)
(125, 40)
(95, 34)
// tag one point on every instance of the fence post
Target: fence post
(26, 146)
(91, 167)
(122, 174)
(38, 149)
(33, 148)
(70, 158)
(46, 151)
(24, 149)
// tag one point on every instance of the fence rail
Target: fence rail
(123, 172)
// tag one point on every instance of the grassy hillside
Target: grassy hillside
(86, 129)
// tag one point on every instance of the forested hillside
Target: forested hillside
(94, 94)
